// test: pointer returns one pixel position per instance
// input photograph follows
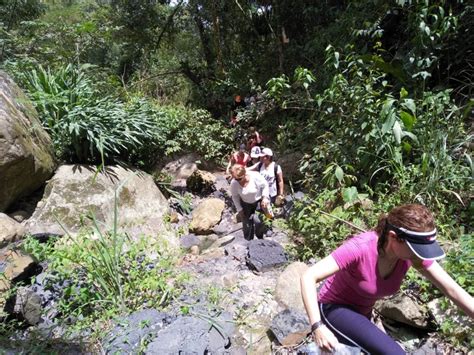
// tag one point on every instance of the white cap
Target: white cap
(267, 152)
(255, 152)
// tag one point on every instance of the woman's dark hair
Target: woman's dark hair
(413, 217)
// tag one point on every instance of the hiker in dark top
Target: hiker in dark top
(368, 267)
(236, 106)
(254, 138)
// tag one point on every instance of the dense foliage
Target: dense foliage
(376, 95)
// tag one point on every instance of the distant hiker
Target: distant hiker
(370, 266)
(272, 172)
(240, 157)
(254, 138)
(250, 194)
(236, 106)
(255, 154)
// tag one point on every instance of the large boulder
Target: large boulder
(207, 215)
(403, 309)
(288, 289)
(202, 182)
(181, 168)
(26, 153)
(77, 191)
(10, 230)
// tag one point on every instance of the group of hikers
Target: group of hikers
(257, 185)
(364, 269)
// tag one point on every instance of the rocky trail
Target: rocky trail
(241, 297)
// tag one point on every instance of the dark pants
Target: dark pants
(355, 329)
(252, 224)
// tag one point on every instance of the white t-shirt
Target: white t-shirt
(256, 188)
(269, 174)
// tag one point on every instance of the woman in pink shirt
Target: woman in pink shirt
(370, 266)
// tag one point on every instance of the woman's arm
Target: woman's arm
(326, 267)
(253, 167)
(441, 279)
(231, 162)
(280, 183)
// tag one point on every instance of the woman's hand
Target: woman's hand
(325, 339)
(264, 203)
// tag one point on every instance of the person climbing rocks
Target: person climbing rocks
(273, 173)
(254, 138)
(240, 157)
(250, 193)
(370, 266)
(236, 106)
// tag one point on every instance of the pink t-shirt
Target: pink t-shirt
(358, 283)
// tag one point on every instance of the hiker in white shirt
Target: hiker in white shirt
(272, 173)
(250, 193)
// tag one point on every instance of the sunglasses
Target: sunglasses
(240, 178)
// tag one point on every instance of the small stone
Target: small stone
(290, 327)
(194, 250)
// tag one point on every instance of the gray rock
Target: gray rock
(131, 332)
(236, 251)
(10, 230)
(201, 182)
(431, 347)
(186, 335)
(26, 305)
(290, 327)
(220, 333)
(189, 240)
(26, 151)
(77, 190)
(403, 309)
(14, 266)
(265, 254)
(222, 241)
(19, 216)
(206, 216)
(288, 289)
(182, 167)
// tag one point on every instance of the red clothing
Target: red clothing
(237, 159)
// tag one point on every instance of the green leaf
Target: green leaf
(407, 119)
(403, 93)
(350, 194)
(339, 174)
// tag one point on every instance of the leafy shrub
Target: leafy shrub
(87, 127)
(107, 274)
